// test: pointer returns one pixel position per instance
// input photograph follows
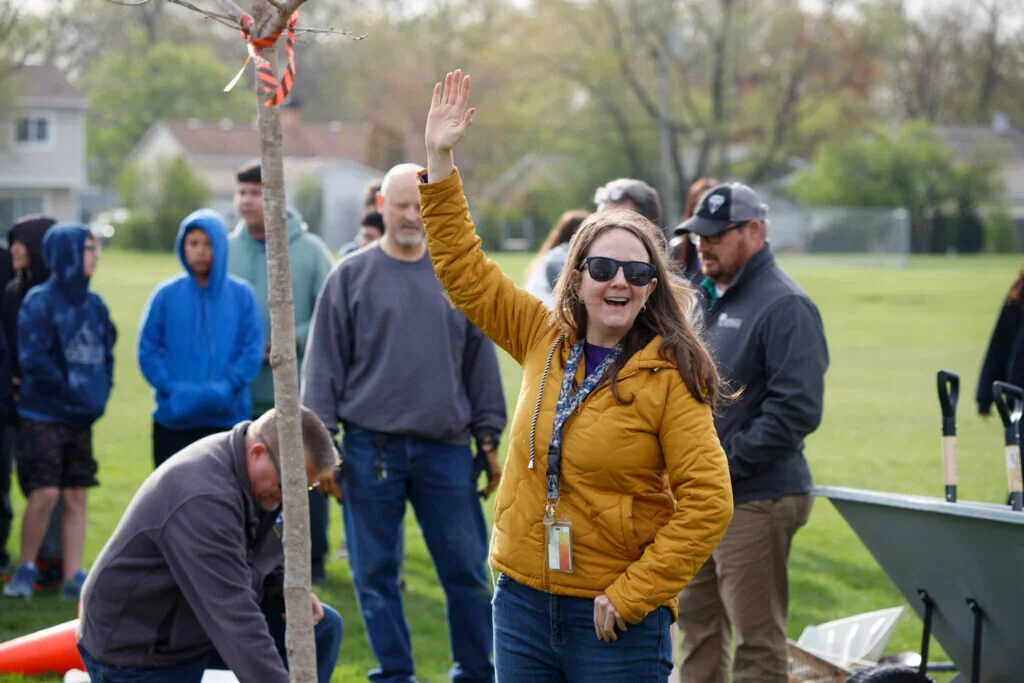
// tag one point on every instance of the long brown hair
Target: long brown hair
(562, 231)
(664, 314)
(1016, 295)
(697, 190)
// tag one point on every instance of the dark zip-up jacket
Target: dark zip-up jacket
(767, 337)
(187, 567)
(1004, 360)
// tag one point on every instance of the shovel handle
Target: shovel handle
(1014, 478)
(949, 394)
(1009, 411)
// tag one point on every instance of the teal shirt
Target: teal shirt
(311, 261)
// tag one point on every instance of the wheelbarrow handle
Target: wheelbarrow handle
(949, 394)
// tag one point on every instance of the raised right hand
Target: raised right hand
(448, 119)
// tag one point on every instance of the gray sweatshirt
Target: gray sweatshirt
(388, 352)
(186, 569)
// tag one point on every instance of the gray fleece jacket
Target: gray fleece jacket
(186, 569)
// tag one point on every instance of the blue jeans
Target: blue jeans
(545, 638)
(438, 479)
(327, 634)
(318, 522)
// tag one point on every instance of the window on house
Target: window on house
(13, 208)
(33, 130)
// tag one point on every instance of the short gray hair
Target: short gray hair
(396, 171)
(315, 438)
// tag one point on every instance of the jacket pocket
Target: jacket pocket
(612, 516)
(629, 539)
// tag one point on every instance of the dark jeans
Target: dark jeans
(167, 442)
(318, 519)
(328, 642)
(438, 479)
(545, 638)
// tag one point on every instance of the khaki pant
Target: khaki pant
(743, 585)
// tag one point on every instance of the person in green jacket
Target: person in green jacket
(311, 261)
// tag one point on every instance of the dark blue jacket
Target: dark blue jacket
(65, 339)
(201, 347)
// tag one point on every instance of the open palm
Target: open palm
(448, 119)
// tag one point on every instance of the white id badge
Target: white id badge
(560, 545)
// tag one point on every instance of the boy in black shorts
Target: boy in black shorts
(65, 348)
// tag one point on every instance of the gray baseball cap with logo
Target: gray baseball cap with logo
(722, 206)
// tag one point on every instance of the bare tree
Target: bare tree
(956, 63)
(269, 18)
(993, 51)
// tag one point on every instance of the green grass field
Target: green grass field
(889, 331)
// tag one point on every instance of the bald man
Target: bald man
(410, 383)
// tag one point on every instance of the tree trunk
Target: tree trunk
(299, 641)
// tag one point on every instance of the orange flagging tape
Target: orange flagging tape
(277, 91)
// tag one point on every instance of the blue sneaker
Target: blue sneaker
(71, 589)
(23, 583)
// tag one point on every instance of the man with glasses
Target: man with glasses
(768, 339)
(192, 577)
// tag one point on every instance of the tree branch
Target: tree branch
(608, 103)
(219, 18)
(229, 8)
(277, 23)
(642, 96)
(332, 31)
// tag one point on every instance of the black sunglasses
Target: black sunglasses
(714, 240)
(603, 269)
(277, 466)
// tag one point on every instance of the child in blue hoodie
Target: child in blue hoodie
(200, 341)
(66, 352)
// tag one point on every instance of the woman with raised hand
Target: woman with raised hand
(592, 541)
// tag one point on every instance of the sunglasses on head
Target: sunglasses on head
(615, 194)
(277, 466)
(603, 269)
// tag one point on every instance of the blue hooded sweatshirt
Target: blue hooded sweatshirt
(65, 338)
(201, 347)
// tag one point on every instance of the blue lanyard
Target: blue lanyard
(568, 402)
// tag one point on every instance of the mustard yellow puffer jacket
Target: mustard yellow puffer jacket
(630, 539)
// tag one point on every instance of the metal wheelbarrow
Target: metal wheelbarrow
(957, 563)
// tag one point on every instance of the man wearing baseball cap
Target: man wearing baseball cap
(768, 339)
